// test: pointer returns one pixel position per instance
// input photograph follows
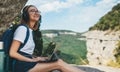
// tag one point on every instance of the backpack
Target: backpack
(7, 39)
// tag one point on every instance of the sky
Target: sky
(75, 15)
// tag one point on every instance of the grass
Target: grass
(113, 64)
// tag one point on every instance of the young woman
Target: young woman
(24, 60)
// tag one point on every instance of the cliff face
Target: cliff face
(9, 9)
(101, 46)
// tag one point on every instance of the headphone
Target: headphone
(25, 14)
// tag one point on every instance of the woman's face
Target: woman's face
(34, 14)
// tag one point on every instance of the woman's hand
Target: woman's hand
(35, 59)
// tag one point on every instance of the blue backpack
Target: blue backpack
(7, 39)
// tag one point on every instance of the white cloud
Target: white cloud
(100, 8)
(88, 16)
(55, 5)
(74, 1)
(106, 4)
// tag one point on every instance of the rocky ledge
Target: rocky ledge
(101, 46)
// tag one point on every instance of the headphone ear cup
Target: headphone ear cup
(40, 19)
(25, 16)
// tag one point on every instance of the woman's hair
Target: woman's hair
(25, 17)
(37, 36)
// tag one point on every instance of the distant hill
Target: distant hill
(73, 50)
(110, 21)
(54, 31)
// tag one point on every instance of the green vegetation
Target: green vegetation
(17, 20)
(71, 49)
(110, 21)
(113, 64)
(55, 31)
(117, 56)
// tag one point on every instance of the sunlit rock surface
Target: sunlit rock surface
(101, 46)
(9, 9)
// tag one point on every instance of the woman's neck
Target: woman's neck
(31, 24)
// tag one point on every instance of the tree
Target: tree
(110, 21)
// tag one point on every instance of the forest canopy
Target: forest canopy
(110, 21)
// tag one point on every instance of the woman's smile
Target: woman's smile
(34, 14)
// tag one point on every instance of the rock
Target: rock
(9, 9)
(101, 46)
(98, 68)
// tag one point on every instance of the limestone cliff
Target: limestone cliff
(101, 46)
(103, 37)
(9, 9)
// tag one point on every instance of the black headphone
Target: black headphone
(25, 14)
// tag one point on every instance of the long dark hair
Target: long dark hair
(37, 35)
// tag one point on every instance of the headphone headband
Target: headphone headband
(25, 14)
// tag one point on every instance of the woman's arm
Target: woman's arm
(13, 52)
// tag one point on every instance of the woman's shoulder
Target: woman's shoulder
(21, 27)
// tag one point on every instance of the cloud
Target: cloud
(89, 15)
(81, 17)
(99, 9)
(56, 5)
(106, 4)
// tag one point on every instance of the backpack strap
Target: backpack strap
(26, 38)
